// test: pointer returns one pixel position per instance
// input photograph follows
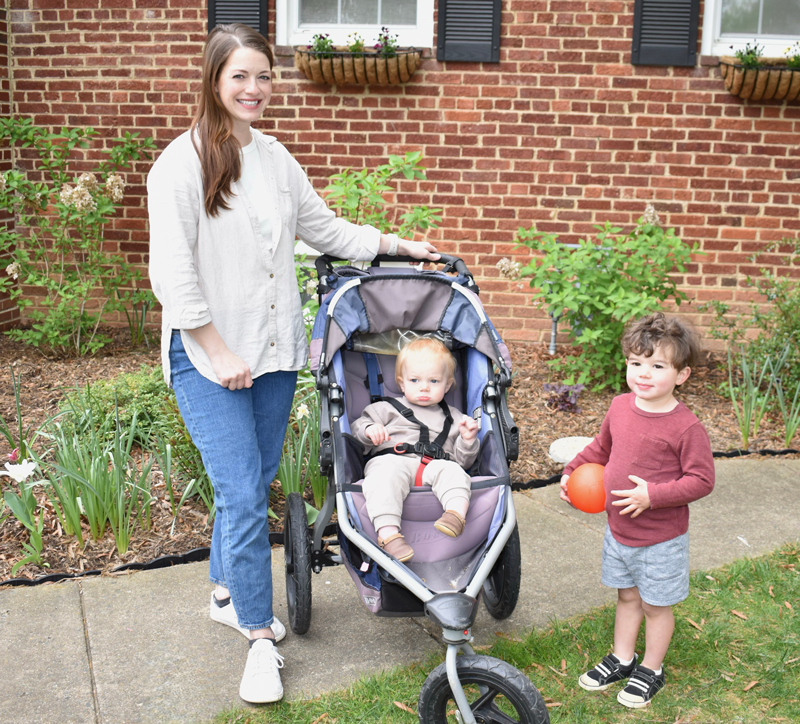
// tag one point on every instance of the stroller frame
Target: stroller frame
(453, 611)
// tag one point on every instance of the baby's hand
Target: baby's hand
(377, 434)
(564, 495)
(467, 428)
(636, 500)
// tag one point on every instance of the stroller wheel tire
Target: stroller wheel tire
(495, 690)
(501, 588)
(297, 554)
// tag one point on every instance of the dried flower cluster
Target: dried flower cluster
(650, 216)
(82, 195)
(115, 187)
(508, 269)
(2, 183)
(13, 270)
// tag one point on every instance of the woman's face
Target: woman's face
(244, 86)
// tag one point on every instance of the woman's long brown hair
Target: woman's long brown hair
(212, 129)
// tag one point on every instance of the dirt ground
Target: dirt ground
(43, 382)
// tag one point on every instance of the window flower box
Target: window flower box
(771, 80)
(343, 67)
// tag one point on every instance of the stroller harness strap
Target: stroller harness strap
(426, 449)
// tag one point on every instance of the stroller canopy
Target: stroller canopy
(422, 301)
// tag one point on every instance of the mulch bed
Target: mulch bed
(43, 381)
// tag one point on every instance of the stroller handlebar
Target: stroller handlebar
(324, 266)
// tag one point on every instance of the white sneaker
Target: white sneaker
(261, 682)
(227, 614)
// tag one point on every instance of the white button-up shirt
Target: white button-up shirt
(223, 270)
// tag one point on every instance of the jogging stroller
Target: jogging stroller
(365, 317)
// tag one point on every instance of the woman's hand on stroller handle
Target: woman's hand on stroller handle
(421, 250)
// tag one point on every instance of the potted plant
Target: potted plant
(750, 76)
(353, 64)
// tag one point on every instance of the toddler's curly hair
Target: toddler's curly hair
(642, 336)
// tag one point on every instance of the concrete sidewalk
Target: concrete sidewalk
(140, 648)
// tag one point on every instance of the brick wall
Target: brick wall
(563, 133)
(8, 311)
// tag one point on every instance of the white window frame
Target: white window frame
(714, 43)
(288, 30)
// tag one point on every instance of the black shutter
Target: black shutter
(469, 30)
(665, 32)
(249, 12)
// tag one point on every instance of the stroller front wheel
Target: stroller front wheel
(297, 555)
(496, 691)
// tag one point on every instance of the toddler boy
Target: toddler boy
(657, 460)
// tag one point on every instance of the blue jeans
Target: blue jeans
(240, 435)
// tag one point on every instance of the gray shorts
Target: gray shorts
(660, 571)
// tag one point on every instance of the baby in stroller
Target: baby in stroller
(393, 428)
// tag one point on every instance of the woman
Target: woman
(225, 204)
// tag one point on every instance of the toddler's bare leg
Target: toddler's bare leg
(659, 625)
(630, 613)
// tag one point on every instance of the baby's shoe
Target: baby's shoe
(396, 546)
(451, 523)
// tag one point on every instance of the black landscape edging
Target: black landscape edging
(200, 554)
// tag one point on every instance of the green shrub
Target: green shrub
(59, 246)
(600, 286)
(777, 321)
(145, 395)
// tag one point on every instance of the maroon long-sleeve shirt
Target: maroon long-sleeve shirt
(670, 450)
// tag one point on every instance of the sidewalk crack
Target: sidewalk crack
(95, 701)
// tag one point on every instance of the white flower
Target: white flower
(66, 195)
(20, 472)
(508, 269)
(302, 411)
(115, 187)
(311, 287)
(13, 269)
(650, 216)
(83, 200)
(88, 181)
(2, 183)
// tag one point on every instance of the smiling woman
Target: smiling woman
(226, 204)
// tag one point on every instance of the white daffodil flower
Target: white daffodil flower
(21, 472)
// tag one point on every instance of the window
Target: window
(773, 24)
(297, 21)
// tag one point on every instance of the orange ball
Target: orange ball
(585, 488)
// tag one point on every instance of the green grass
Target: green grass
(734, 659)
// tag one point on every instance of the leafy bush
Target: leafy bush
(776, 316)
(359, 196)
(143, 394)
(60, 248)
(142, 398)
(601, 285)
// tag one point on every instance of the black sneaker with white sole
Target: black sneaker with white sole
(643, 685)
(609, 671)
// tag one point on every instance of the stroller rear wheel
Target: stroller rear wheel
(501, 589)
(297, 554)
(497, 692)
